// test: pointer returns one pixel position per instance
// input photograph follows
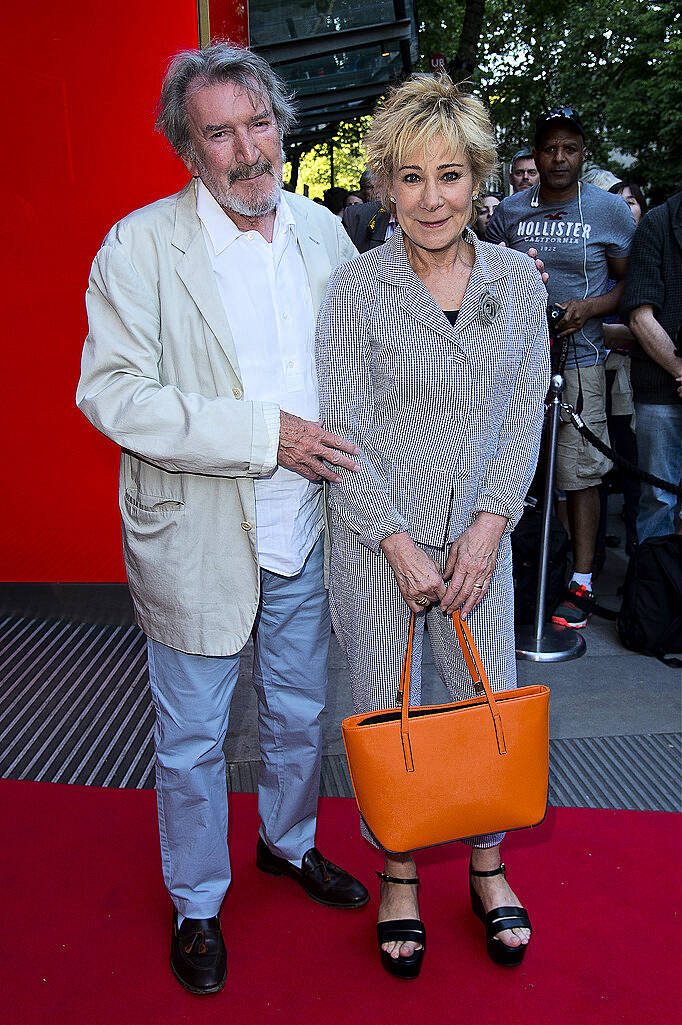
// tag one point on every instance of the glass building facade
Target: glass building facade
(337, 55)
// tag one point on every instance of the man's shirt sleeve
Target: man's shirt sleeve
(622, 231)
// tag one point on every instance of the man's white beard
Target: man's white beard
(222, 193)
(256, 208)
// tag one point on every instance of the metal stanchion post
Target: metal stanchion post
(548, 642)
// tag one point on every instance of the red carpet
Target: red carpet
(85, 924)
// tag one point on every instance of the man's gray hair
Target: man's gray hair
(522, 154)
(222, 62)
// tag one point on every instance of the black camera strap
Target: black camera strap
(579, 396)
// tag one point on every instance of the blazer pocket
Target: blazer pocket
(144, 508)
(427, 505)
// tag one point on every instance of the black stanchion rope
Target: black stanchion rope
(620, 461)
(586, 604)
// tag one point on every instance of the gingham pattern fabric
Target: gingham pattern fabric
(371, 622)
(447, 418)
(448, 424)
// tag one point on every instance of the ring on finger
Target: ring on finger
(422, 601)
(479, 587)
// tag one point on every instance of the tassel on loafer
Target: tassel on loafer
(403, 930)
(198, 959)
(496, 921)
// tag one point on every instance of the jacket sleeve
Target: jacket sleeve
(644, 283)
(496, 229)
(346, 246)
(361, 499)
(510, 471)
(120, 391)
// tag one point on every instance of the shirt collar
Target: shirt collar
(222, 230)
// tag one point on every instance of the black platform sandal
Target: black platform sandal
(497, 921)
(405, 930)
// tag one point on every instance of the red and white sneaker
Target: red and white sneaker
(570, 614)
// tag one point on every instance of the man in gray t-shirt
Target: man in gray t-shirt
(583, 235)
(578, 238)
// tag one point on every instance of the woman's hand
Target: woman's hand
(417, 574)
(471, 561)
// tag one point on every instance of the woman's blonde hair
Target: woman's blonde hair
(426, 108)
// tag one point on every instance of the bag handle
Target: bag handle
(478, 675)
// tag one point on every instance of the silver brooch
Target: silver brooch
(488, 308)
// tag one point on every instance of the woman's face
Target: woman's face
(632, 203)
(432, 193)
(485, 211)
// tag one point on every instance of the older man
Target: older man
(200, 365)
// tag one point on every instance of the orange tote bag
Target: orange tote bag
(434, 773)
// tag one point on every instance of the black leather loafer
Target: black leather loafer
(198, 957)
(324, 882)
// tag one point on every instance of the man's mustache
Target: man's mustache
(245, 172)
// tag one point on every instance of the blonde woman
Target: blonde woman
(433, 359)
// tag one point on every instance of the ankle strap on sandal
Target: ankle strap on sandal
(394, 879)
(495, 872)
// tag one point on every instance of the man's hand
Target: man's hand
(577, 312)
(679, 386)
(470, 564)
(533, 253)
(416, 573)
(304, 444)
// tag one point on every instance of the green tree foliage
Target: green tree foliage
(349, 162)
(619, 62)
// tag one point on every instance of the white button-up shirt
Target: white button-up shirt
(266, 294)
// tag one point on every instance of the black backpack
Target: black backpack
(650, 618)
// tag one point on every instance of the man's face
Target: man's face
(524, 174)
(559, 158)
(236, 147)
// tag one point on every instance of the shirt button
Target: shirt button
(291, 364)
(246, 526)
(284, 316)
(237, 392)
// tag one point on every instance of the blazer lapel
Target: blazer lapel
(195, 270)
(314, 254)
(377, 225)
(469, 309)
(480, 302)
(415, 298)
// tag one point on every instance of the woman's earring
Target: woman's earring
(392, 199)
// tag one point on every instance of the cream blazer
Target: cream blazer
(160, 377)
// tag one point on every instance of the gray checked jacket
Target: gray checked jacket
(447, 419)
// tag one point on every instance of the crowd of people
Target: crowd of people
(246, 345)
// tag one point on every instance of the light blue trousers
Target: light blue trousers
(192, 695)
(659, 449)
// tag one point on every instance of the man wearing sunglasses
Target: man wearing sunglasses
(583, 237)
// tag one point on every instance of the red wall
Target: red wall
(80, 84)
